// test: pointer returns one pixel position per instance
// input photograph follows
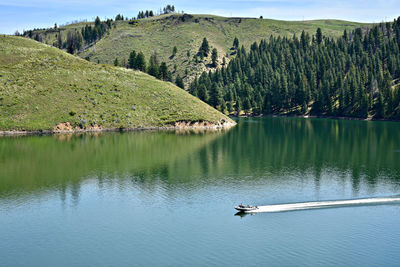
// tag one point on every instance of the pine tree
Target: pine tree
(379, 107)
(214, 57)
(235, 44)
(222, 107)
(202, 93)
(319, 36)
(238, 106)
(153, 68)
(140, 62)
(174, 51)
(163, 71)
(97, 21)
(204, 48)
(59, 41)
(179, 82)
(229, 107)
(132, 60)
(345, 36)
(215, 95)
(74, 41)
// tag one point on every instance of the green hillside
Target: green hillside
(42, 86)
(161, 33)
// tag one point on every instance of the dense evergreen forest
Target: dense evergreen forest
(356, 75)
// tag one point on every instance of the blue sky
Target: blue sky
(28, 14)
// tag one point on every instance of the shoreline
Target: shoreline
(183, 126)
(179, 126)
(316, 117)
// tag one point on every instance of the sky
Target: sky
(28, 14)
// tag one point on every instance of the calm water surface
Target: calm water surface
(166, 198)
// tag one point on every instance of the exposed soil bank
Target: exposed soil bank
(67, 128)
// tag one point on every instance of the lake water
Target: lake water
(166, 198)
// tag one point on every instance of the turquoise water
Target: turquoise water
(166, 198)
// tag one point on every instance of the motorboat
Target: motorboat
(243, 208)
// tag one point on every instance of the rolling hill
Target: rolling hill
(161, 33)
(42, 87)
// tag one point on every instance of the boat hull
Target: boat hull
(244, 209)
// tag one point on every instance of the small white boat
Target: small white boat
(244, 208)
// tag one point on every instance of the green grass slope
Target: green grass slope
(160, 34)
(42, 86)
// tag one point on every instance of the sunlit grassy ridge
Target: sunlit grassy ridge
(160, 34)
(41, 86)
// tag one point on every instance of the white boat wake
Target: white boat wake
(326, 204)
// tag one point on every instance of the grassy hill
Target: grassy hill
(42, 86)
(160, 34)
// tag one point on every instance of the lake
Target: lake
(166, 198)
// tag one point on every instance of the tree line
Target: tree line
(149, 13)
(356, 75)
(137, 61)
(76, 39)
(143, 14)
(89, 34)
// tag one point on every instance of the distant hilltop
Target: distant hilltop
(175, 38)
